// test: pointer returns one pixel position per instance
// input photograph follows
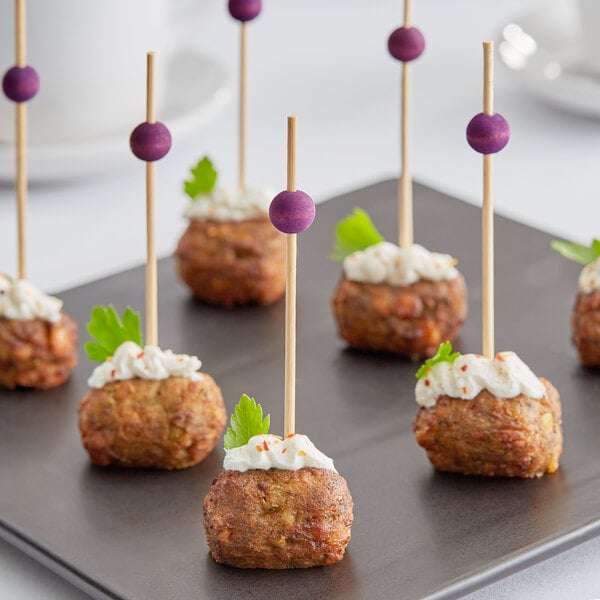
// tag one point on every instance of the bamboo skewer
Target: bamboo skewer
(405, 186)
(150, 141)
(488, 212)
(291, 212)
(243, 104)
(21, 188)
(20, 33)
(151, 262)
(21, 143)
(407, 13)
(290, 294)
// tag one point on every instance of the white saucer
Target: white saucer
(544, 52)
(198, 88)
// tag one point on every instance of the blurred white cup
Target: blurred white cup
(91, 58)
(589, 11)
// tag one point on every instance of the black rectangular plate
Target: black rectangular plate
(130, 534)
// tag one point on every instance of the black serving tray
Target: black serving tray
(129, 534)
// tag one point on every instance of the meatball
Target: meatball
(36, 353)
(278, 519)
(585, 322)
(170, 424)
(409, 320)
(507, 437)
(233, 262)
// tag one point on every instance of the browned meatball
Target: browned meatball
(409, 320)
(233, 262)
(169, 424)
(507, 437)
(278, 519)
(36, 353)
(585, 322)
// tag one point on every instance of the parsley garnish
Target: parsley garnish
(443, 354)
(203, 180)
(246, 421)
(355, 232)
(579, 253)
(110, 331)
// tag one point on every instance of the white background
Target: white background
(326, 61)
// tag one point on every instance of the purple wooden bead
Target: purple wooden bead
(245, 10)
(406, 43)
(150, 141)
(488, 134)
(20, 83)
(292, 212)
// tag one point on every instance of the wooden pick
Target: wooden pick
(290, 294)
(488, 210)
(243, 105)
(151, 262)
(21, 142)
(405, 186)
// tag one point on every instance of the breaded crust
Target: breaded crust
(233, 262)
(169, 424)
(408, 320)
(585, 322)
(514, 437)
(278, 519)
(36, 353)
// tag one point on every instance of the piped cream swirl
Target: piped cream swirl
(506, 376)
(231, 204)
(19, 299)
(269, 451)
(131, 361)
(387, 263)
(589, 279)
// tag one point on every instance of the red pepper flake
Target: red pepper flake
(499, 357)
(113, 373)
(427, 382)
(265, 445)
(284, 451)
(463, 368)
(301, 453)
(259, 448)
(290, 435)
(464, 390)
(140, 355)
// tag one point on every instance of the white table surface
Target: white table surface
(326, 61)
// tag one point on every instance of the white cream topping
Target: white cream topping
(506, 376)
(19, 299)
(589, 279)
(130, 361)
(231, 204)
(387, 263)
(269, 451)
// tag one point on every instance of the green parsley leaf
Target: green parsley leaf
(110, 331)
(246, 421)
(584, 255)
(355, 232)
(444, 354)
(203, 180)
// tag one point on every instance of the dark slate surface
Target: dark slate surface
(417, 534)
